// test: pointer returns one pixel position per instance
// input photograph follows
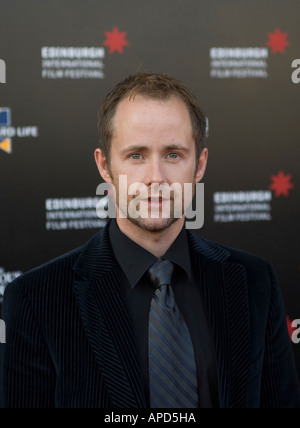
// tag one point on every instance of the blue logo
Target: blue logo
(5, 121)
(5, 117)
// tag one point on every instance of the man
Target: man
(147, 314)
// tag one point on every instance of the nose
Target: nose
(155, 172)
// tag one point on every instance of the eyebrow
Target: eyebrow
(145, 148)
(178, 147)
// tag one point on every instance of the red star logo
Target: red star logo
(115, 40)
(278, 41)
(281, 184)
(291, 329)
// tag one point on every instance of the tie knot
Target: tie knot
(161, 273)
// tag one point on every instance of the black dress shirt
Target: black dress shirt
(134, 262)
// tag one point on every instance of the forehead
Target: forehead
(142, 112)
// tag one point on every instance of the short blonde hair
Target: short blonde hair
(156, 86)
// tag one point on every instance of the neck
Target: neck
(156, 243)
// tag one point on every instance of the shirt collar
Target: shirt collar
(135, 261)
(179, 253)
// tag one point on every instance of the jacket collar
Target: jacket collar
(97, 258)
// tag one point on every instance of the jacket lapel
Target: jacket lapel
(106, 322)
(225, 298)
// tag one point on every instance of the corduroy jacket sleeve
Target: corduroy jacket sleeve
(279, 374)
(25, 359)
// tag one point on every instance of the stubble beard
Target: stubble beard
(153, 225)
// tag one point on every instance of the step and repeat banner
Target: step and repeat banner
(59, 59)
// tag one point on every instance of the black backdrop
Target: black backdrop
(236, 56)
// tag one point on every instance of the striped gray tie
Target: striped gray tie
(172, 367)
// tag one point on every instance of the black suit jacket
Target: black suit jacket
(70, 343)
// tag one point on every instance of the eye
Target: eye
(135, 156)
(173, 156)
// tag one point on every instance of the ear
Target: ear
(202, 163)
(102, 166)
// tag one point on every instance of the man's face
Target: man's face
(153, 145)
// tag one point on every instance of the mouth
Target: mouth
(155, 201)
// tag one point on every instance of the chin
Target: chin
(154, 225)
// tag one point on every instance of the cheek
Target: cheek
(184, 174)
(133, 173)
(117, 169)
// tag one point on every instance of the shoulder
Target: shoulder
(221, 253)
(42, 279)
(55, 272)
(255, 271)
